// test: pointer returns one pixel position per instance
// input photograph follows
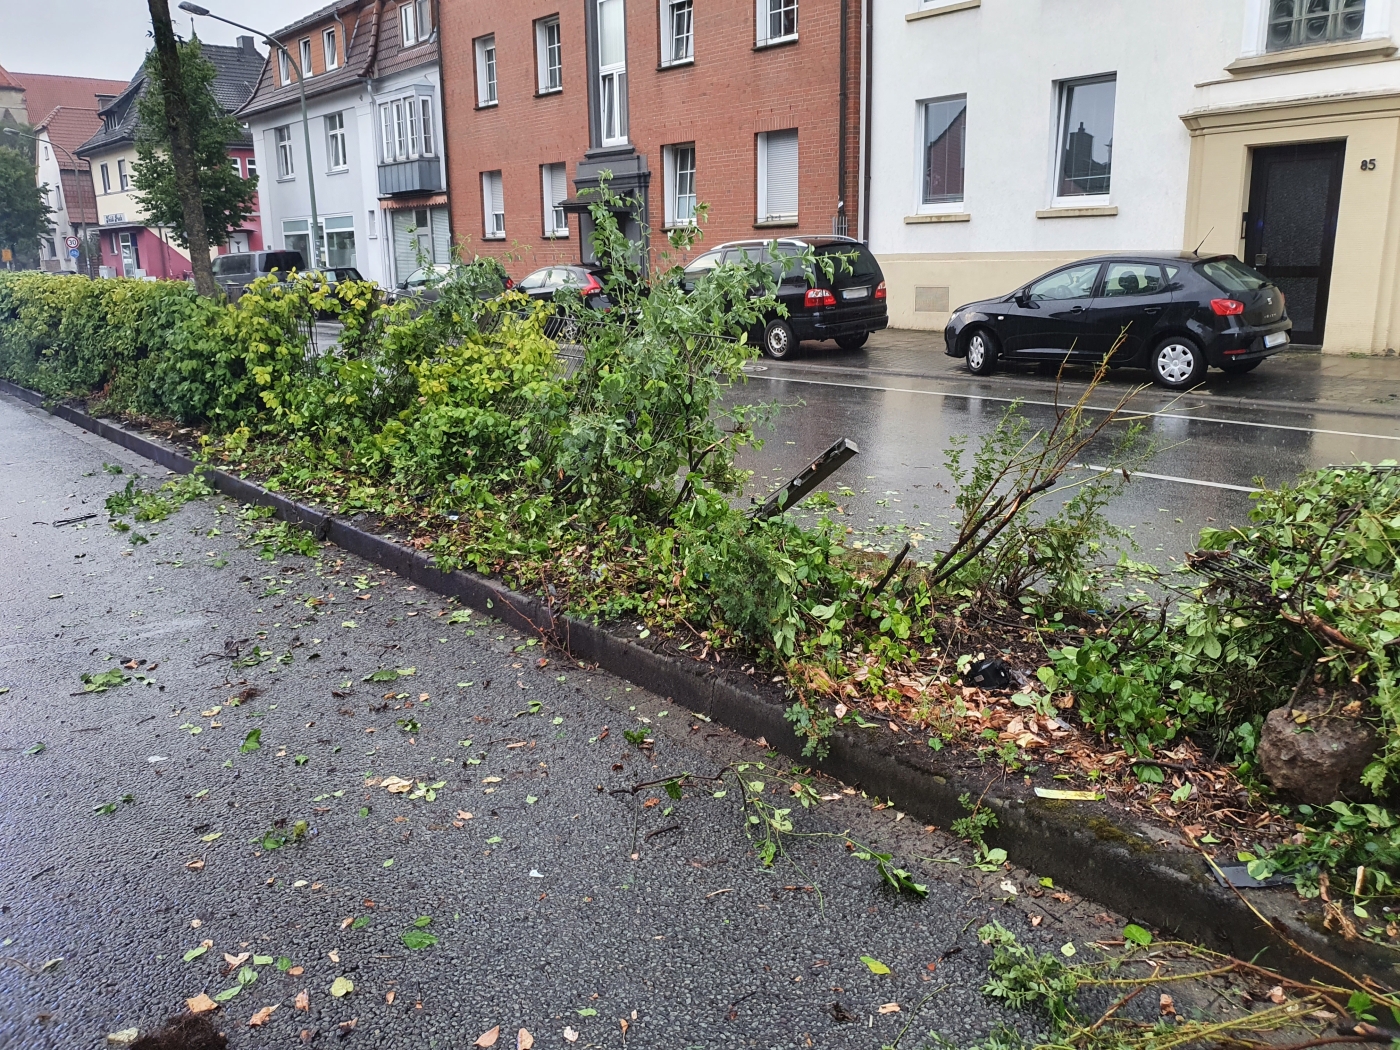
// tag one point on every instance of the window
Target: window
(106, 180)
(338, 239)
(400, 130)
(1300, 23)
(284, 66)
(286, 166)
(411, 112)
(425, 108)
(130, 253)
(777, 176)
(408, 23)
(122, 176)
(549, 54)
(336, 154)
(386, 128)
(612, 72)
(680, 184)
(493, 204)
(486, 70)
(296, 237)
(556, 188)
(252, 166)
(237, 167)
(677, 31)
(1076, 282)
(328, 44)
(1086, 136)
(1131, 278)
(306, 57)
(945, 144)
(777, 21)
(424, 17)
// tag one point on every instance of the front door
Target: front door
(1291, 226)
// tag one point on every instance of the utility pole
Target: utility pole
(177, 119)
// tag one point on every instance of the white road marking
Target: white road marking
(1096, 408)
(1170, 477)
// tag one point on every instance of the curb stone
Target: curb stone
(1103, 856)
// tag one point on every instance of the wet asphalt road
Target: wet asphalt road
(902, 400)
(538, 909)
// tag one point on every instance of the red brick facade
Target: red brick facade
(721, 102)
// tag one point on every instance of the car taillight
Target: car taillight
(1227, 307)
(509, 284)
(593, 285)
(880, 290)
(817, 297)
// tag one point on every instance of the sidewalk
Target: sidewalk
(1293, 379)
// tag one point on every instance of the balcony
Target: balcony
(410, 176)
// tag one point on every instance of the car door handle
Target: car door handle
(1077, 310)
(1151, 309)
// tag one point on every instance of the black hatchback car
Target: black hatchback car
(847, 307)
(1176, 313)
(544, 282)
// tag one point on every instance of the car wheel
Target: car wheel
(1177, 363)
(981, 352)
(1239, 368)
(778, 340)
(852, 343)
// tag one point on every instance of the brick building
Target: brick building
(751, 106)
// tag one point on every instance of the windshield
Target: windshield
(1231, 275)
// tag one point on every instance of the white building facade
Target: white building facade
(374, 112)
(1008, 137)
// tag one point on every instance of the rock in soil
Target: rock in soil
(1314, 753)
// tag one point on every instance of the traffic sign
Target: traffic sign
(72, 253)
(71, 242)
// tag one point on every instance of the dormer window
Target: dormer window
(306, 57)
(329, 46)
(416, 21)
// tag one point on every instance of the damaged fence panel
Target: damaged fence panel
(808, 479)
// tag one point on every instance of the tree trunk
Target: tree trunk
(177, 118)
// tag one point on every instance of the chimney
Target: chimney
(247, 43)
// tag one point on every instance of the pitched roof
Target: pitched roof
(7, 81)
(70, 128)
(375, 49)
(43, 93)
(237, 70)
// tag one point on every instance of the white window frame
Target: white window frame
(493, 221)
(106, 178)
(286, 155)
(336, 143)
(408, 23)
(331, 49)
(123, 177)
(425, 115)
(305, 52)
(762, 212)
(485, 48)
(386, 133)
(556, 220)
(764, 11)
(612, 86)
(423, 25)
(400, 130)
(250, 165)
(284, 66)
(1061, 96)
(678, 209)
(922, 207)
(237, 166)
(669, 55)
(550, 74)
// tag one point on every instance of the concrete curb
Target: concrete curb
(1105, 859)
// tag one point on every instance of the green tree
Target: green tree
(227, 198)
(24, 215)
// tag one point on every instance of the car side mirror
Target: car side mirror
(402, 286)
(1023, 300)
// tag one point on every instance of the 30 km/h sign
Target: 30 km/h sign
(71, 242)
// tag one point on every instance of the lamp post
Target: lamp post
(82, 224)
(273, 42)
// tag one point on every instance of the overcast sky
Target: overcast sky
(108, 38)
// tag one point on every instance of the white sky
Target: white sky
(109, 38)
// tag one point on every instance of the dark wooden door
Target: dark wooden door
(1291, 227)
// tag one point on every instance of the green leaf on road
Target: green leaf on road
(195, 953)
(251, 742)
(38, 749)
(360, 923)
(587, 1011)
(342, 986)
(875, 965)
(228, 993)
(1136, 934)
(417, 940)
(262, 960)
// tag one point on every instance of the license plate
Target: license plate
(1277, 339)
(855, 293)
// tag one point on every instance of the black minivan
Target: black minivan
(235, 271)
(1173, 313)
(847, 307)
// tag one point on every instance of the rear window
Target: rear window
(225, 265)
(282, 261)
(863, 264)
(1231, 275)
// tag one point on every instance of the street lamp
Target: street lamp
(272, 41)
(82, 224)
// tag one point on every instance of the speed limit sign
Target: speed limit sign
(71, 242)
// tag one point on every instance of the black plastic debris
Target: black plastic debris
(990, 674)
